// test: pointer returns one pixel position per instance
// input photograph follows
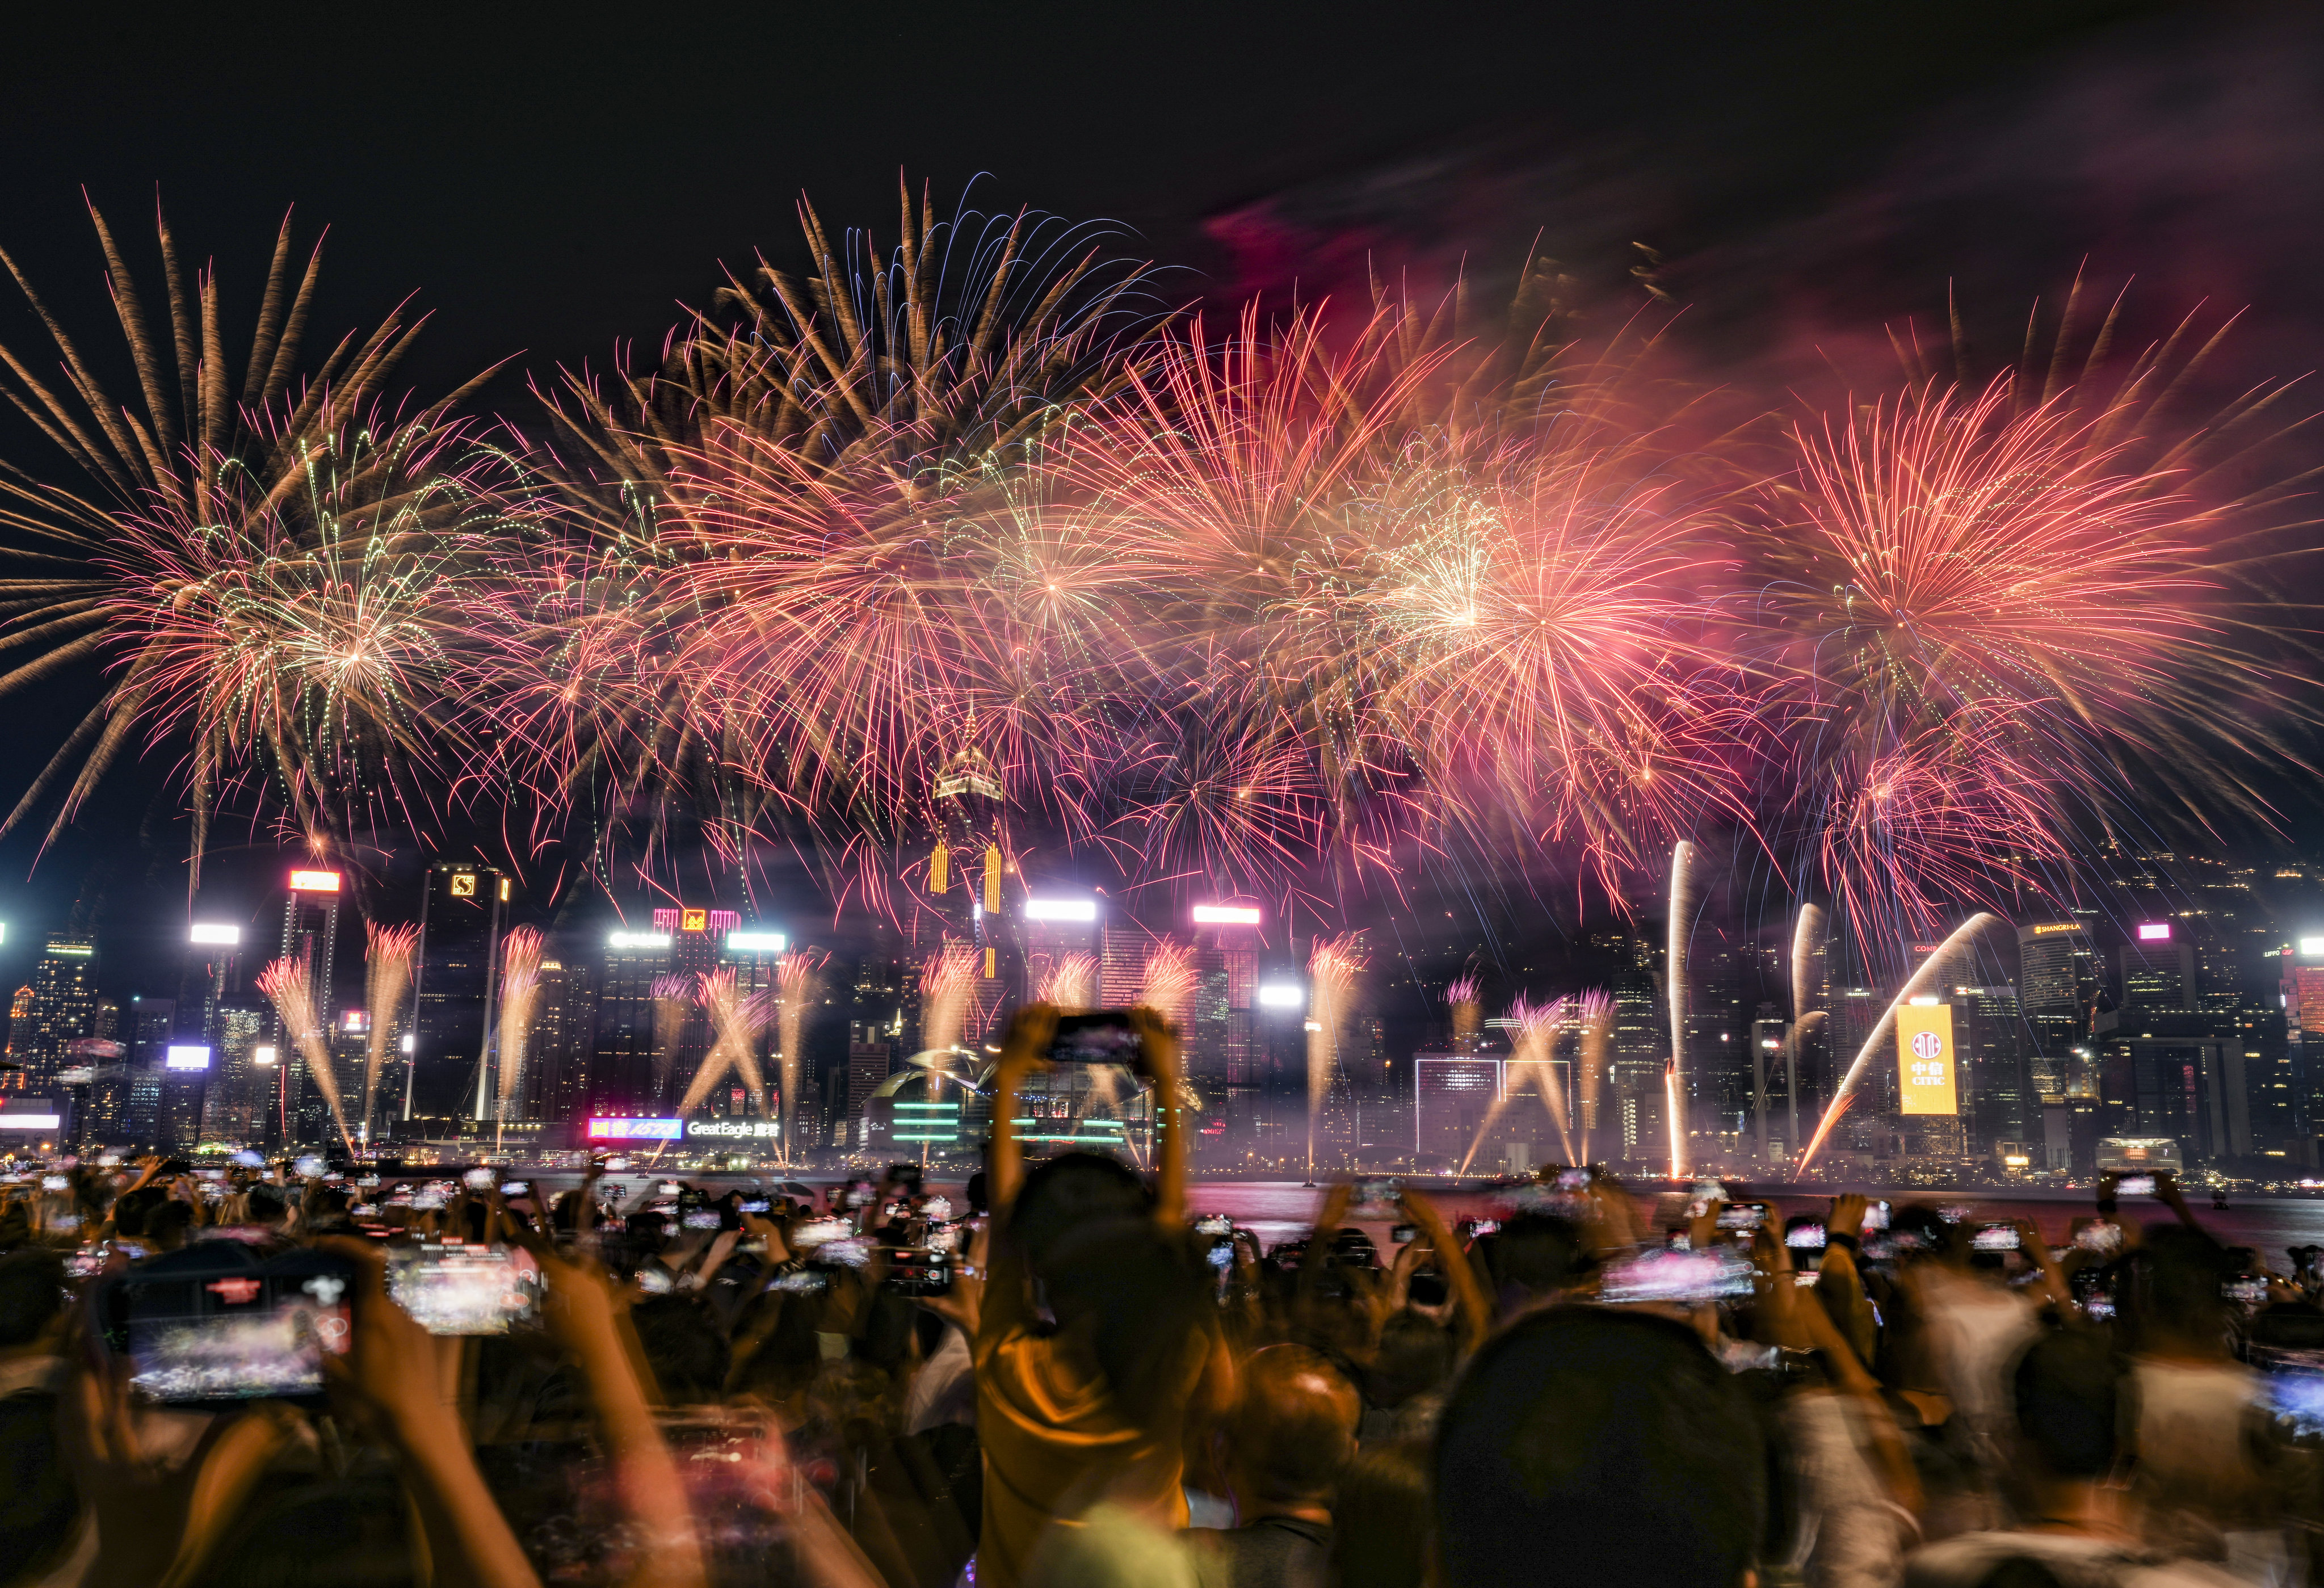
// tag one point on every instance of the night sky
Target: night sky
(548, 182)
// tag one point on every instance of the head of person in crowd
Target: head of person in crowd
(1535, 1255)
(132, 1208)
(269, 1208)
(1293, 1433)
(2169, 1296)
(168, 1226)
(31, 1302)
(1132, 1300)
(1067, 1192)
(2067, 1390)
(1415, 1356)
(1382, 1521)
(1922, 1233)
(685, 1346)
(1592, 1446)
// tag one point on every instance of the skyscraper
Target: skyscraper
(463, 910)
(60, 1011)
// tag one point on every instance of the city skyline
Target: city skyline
(2180, 1015)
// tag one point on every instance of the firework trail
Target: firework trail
(737, 1016)
(1166, 984)
(388, 953)
(1533, 1060)
(1594, 1010)
(1807, 938)
(1333, 970)
(948, 994)
(1930, 972)
(799, 978)
(1675, 976)
(673, 1001)
(1461, 995)
(1070, 983)
(285, 983)
(521, 954)
(1530, 1068)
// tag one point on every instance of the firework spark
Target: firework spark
(1333, 969)
(1930, 972)
(388, 954)
(520, 995)
(285, 983)
(798, 979)
(1070, 983)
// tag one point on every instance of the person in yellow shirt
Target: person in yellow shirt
(1097, 1342)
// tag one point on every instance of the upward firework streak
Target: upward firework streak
(387, 974)
(1332, 972)
(519, 1000)
(737, 1016)
(284, 982)
(1807, 936)
(1930, 973)
(1070, 983)
(948, 989)
(1532, 1067)
(1595, 1012)
(1168, 981)
(1680, 926)
(798, 980)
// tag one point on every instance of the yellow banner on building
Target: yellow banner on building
(1924, 1059)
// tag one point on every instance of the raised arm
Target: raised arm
(1160, 1045)
(1005, 1303)
(1471, 1305)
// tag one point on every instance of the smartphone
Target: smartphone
(945, 1238)
(1216, 1223)
(2134, 1185)
(1222, 1253)
(754, 1204)
(56, 1182)
(1484, 1227)
(670, 1189)
(1106, 1037)
(1876, 1216)
(464, 1289)
(1688, 1278)
(477, 1179)
(2248, 1289)
(699, 1218)
(1373, 1198)
(907, 1174)
(214, 1324)
(1804, 1236)
(848, 1251)
(1994, 1238)
(307, 1166)
(616, 1164)
(2103, 1238)
(2293, 1377)
(1743, 1216)
(516, 1188)
(817, 1232)
(1428, 1289)
(1575, 1180)
(366, 1181)
(801, 1280)
(1405, 1235)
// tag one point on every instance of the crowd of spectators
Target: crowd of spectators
(1059, 1376)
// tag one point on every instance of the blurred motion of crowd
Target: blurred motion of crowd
(1055, 1375)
